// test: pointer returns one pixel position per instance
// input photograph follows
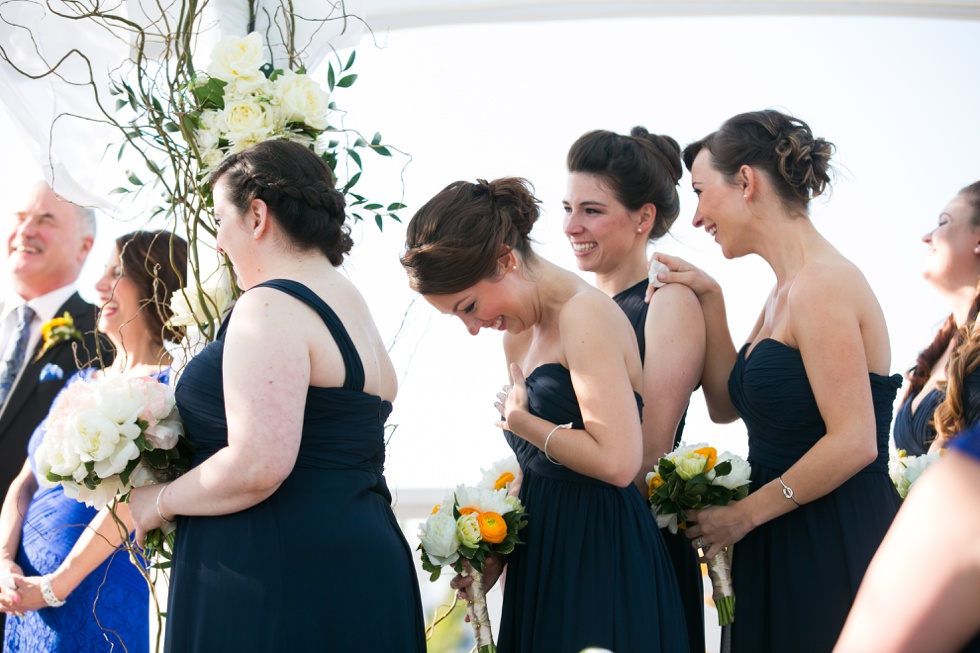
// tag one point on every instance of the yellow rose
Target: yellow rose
(710, 454)
(654, 482)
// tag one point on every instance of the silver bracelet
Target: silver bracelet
(788, 492)
(48, 593)
(160, 512)
(547, 439)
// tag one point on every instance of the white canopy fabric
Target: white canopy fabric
(399, 14)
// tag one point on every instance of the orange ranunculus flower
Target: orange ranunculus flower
(493, 528)
(711, 454)
(655, 482)
(467, 510)
(504, 479)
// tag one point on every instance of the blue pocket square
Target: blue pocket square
(51, 372)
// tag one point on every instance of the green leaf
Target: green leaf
(119, 190)
(346, 81)
(133, 179)
(331, 80)
(376, 140)
(120, 104)
(350, 60)
(377, 219)
(381, 149)
(352, 181)
(394, 206)
(355, 156)
(372, 207)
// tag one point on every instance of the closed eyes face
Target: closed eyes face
(951, 257)
(482, 306)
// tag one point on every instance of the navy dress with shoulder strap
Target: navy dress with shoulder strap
(321, 565)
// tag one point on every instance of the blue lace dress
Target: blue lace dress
(109, 610)
(796, 576)
(321, 565)
(594, 570)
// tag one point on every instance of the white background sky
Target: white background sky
(899, 98)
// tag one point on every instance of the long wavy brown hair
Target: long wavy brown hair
(949, 416)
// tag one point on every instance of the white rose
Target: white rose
(165, 433)
(468, 530)
(188, 304)
(95, 436)
(55, 455)
(238, 62)
(915, 466)
(116, 462)
(739, 476)
(246, 117)
(438, 535)
(115, 398)
(302, 100)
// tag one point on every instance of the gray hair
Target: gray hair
(86, 220)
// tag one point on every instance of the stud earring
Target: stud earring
(745, 197)
(976, 250)
(638, 230)
(515, 267)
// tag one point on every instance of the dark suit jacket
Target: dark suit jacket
(30, 400)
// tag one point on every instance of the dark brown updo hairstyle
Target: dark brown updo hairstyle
(298, 188)
(155, 262)
(454, 240)
(641, 168)
(796, 163)
(966, 355)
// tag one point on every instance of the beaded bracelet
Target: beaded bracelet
(160, 512)
(547, 439)
(48, 593)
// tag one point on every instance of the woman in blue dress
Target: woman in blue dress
(906, 605)
(810, 383)
(96, 599)
(286, 540)
(594, 570)
(622, 195)
(953, 269)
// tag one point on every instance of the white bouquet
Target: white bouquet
(905, 470)
(106, 436)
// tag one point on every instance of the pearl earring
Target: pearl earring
(976, 250)
(745, 197)
(515, 267)
(638, 230)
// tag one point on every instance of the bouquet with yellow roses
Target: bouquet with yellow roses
(469, 525)
(693, 477)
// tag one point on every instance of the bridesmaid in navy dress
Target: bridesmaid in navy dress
(622, 195)
(953, 269)
(928, 606)
(286, 540)
(594, 570)
(76, 547)
(811, 384)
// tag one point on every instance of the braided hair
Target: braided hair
(299, 190)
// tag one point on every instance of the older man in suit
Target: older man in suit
(48, 242)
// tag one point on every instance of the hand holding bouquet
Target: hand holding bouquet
(692, 478)
(469, 525)
(106, 436)
(906, 470)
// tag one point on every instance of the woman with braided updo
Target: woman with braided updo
(943, 396)
(811, 384)
(285, 509)
(594, 570)
(622, 195)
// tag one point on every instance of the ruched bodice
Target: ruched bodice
(593, 570)
(262, 578)
(796, 576)
(771, 392)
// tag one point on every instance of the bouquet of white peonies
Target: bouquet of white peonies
(106, 436)
(905, 470)
(471, 524)
(693, 477)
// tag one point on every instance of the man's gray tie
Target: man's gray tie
(13, 358)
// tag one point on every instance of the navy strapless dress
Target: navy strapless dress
(321, 565)
(593, 570)
(914, 432)
(796, 576)
(109, 610)
(682, 554)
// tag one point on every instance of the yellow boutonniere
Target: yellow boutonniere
(56, 331)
